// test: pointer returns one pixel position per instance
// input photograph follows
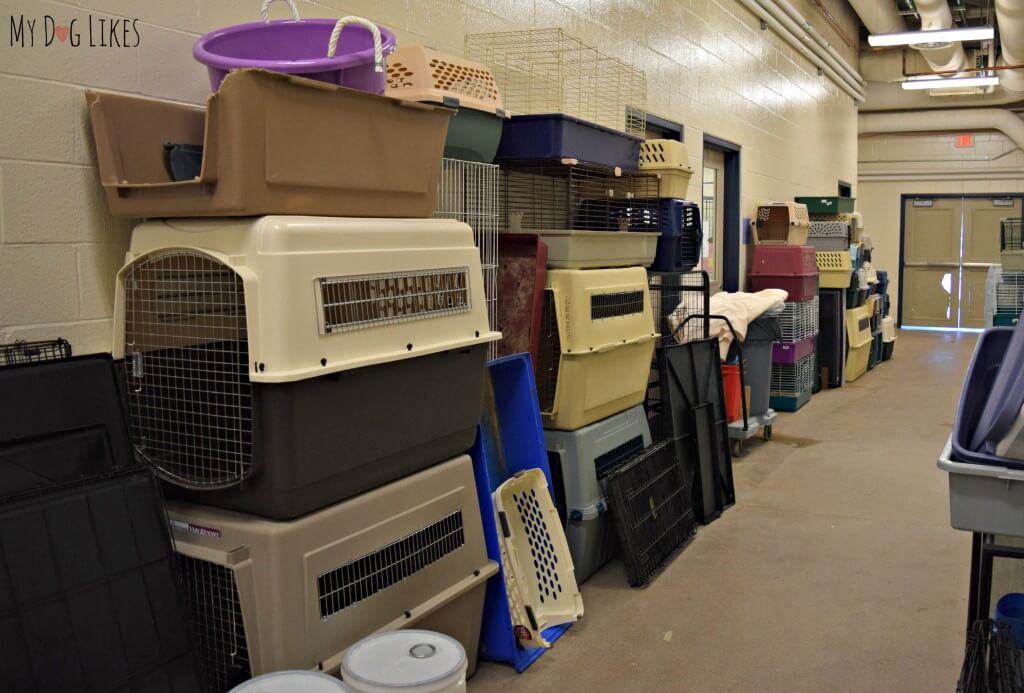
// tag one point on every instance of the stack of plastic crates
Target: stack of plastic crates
(1011, 244)
(1009, 298)
(794, 356)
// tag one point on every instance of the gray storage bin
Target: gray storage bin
(757, 358)
(983, 498)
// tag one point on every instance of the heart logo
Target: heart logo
(62, 33)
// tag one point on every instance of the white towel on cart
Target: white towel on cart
(740, 308)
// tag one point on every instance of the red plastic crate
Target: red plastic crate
(801, 287)
(784, 259)
(522, 271)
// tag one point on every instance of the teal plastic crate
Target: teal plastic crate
(790, 403)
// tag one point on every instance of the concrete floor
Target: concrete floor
(836, 570)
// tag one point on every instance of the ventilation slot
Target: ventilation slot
(607, 462)
(217, 620)
(550, 354)
(542, 551)
(187, 368)
(351, 303)
(367, 575)
(462, 79)
(616, 304)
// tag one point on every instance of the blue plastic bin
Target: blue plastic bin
(516, 444)
(558, 136)
(682, 235)
(1010, 610)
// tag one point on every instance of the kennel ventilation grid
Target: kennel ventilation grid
(781, 222)
(835, 268)
(267, 596)
(829, 235)
(215, 341)
(548, 71)
(596, 345)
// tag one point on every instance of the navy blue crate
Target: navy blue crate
(883, 282)
(682, 235)
(558, 136)
(510, 439)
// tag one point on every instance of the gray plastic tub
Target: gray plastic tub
(984, 498)
(757, 357)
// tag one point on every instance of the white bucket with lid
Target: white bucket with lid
(292, 682)
(413, 661)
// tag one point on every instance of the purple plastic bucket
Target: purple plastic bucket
(296, 48)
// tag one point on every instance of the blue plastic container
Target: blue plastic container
(1010, 610)
(510, 439)
(558, 136)
(682, 235)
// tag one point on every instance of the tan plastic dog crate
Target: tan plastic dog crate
(859, 339)
(670, 160)
(593, 249)
(596, 345)
(264, 357)
(271, 144)
(267, 596)
(781, 222)
(835, 268)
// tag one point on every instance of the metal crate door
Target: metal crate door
(187, 368)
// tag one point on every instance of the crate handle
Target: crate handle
(265, 10)
(378, 51)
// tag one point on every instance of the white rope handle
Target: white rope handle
(265, 9)
(378, 50)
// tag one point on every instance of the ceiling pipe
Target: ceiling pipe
(804, 46)
(890, 96)
(963, 120)
(935, 14)
(1010, 17)
(840, 63)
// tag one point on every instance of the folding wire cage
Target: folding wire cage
(22, 351)
(549, 71)
(799, 320)
(793, 378)
(467, 191)
(545, 195)
(1010, 294)
(992, 663)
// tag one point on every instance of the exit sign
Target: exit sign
(964, 141)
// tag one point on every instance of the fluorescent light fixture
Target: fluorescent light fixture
(929, 82)
(912, 38)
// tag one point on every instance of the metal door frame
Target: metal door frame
(732, 230)
(903, 222)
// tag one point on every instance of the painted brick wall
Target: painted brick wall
(709, 66)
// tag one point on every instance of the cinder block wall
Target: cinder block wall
(709, 66)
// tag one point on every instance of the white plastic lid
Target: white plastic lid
(292, 682)
(403, 659)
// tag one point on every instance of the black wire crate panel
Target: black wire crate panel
(551, 195)
(992, 663)
(1010, 234)
(652, 510)
(32, 352)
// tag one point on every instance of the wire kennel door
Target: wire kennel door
(793, 378)
(799, 320)
(467, 191)
(187, 368)
(549, 71)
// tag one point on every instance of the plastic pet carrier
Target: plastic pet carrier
(593, 362)
(65, 421)
(835, 268)
(267, 596)
(792, 383)
(827, 205)
(91, 599)
(22, 351)
(799, 321)
(788, 267)
(579, 462)
(522, 274)
(670, 160)
(308, 152)
(858, 338)
(535, 558)
(883, 281)
(510, 440)
(418, 73)
(829, 235)
(781, 222)
(652, 509)
(700, 430)
(1011, 246)
(832, 337)
(682, 237)
(246, 401)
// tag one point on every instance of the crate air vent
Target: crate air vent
(615, 304)
(374, 572)
(351, 303)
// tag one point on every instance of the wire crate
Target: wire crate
(22, 351)
(992, 663)
(781, 222)
(1010, 294)
(799, 321)
(467, 191)
(549, 71)
(793, 378)
(298, 322)
(1011, 244)
(309, 588)
(544, 195)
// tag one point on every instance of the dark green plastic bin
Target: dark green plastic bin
(827, 205)
(473, 135)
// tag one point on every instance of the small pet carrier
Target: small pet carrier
(788, 267)
(652, 510)
(781, 222)
(267, 596)
(246, 400)
(829, 235)
(859, 340)
(792, 383)
(835, 268)
(418, 73)
(682, 236)
(579, 462)
(670, 160)
(596, 345)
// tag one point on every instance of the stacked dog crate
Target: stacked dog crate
(283, 371)
(783, 260)
(1009, 289)
(572, 185)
